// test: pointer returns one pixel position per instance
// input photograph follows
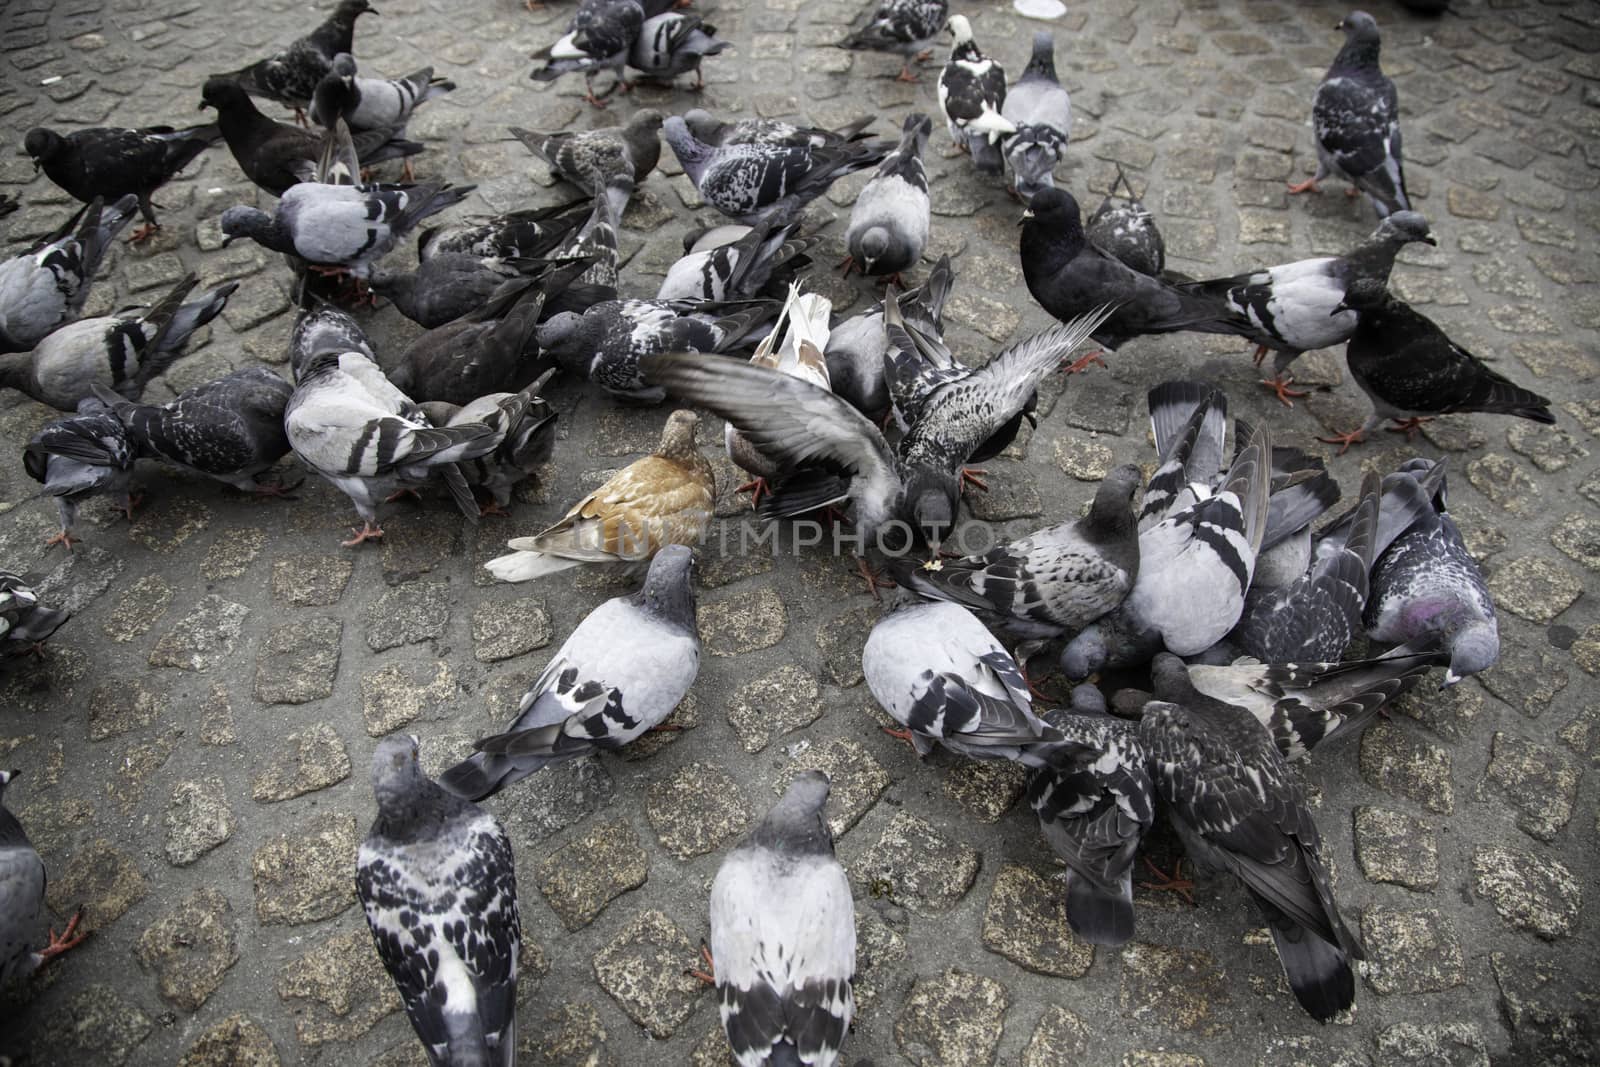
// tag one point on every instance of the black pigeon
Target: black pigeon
(760, 261)
(591, 158)
(123, 351)
(1355, 119)
(1295, 307)
(515, 235)
(972, 91)
(1068, 275)
(905, 27)
(275, 155)
(775, 132)
(447, 287)
(1411, 372)
(22, 875)
(674, 43)
(110, 163)
(1238, 808)
(857, 345)
(438, 883)
(600, 37)
(622, 672)
(1123, 227)
(230, 429)
(889, 221)
(290, 77)
(1095, 802)
(80, 456)
(47, 285)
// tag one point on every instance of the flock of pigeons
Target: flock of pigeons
(1213, 560)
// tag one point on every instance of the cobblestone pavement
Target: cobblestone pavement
(195, 746)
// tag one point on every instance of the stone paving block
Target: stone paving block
(1535, 894)
(1393, 847)
(742, 624)
(1178, 988)
(695, 810)
(345, 985)
(1410, 951)
(237, 1041)
(778, 702)
(1026, 922)
(1455, 1044)
(311, 581)
(96, 1024)
(406, 614)
(304, 875)
(198, 820)
(203, 637)
(99, 878)
(298, 661)
(1394, 760)
(1540, 783)
(643, 969)
(579, 879)
(918, 867)
(394, 696)
(305, 762)
(190, 948)
(952, 1018)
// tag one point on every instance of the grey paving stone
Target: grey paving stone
(1182, 989)
(304, 875)
(917, 867)
(1025, 921)
(1410, 950)
(343, 985)
(952, 1018)
(579, 879)
(643, 969)
(299, 661)
(1530, 892)
(198, 820)
(190, 947)
(237, 1041)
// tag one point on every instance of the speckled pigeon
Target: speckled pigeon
(621, 673)
(47, 285)
(22, 882)
(1123, 227)
(889, 221)
(972, 91)
(80, 456)
(1041, 111)
(777, 132)
(590, 158)
(783, 936)
(110, 163)
(857, 345)
(904, 27)
(527, 442)
(758, 260)
(290, 77)
(515, 235)
(599, 37)
(438, 882)
(674, 43)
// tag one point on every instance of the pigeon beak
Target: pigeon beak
(203, 106)
(1027, 213)
(228, 240)
(1431, 241)
(1450, 678)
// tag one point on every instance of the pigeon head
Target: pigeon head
(1169, 678)
(569, 338)
(240, 221)
(1473, 647)
(701, 124)
(396, 774)
(1361, 43)
(1112, 513)
(648, 120)
(1359, 26)
(668, 592)
(1406, 226)
(794, 825)
(350, 10)
(875, 245)
(931, 500)
(677, 436)
(1053, 212)
(1087, 699)
(1033, 163)
(42, 145)
(917, 127)
(960, 30)
(344, 65)
(690, 150)
(1085, 653)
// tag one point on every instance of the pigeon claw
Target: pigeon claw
(1279, 384)
(757, 489)
(907, 74)
(62, 538)
(874, 580)
(1410, 426)
(1174, 883)
(1083, 363)
(1261, 354)
(300, 117)
(709, 974)
(398, 494)
(1345, 440)
(899, 734)
(144, 233)
(1307, 186)
(368, 532)
(67, 939)
(493, 508)
(131, 502)
(970, 476)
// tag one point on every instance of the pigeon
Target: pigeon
(8, 204)
(1427, 583)
(230, 429)
(24, 626)
(110, 163)
(373, 103)
(325, 328)
(276, 156)
(757, 182)
(341, 226)
(1195, 563)
(1067, 275)
(753, 263)
(1052, 582)
(972, 91)
(611, 343)
(621, 673)
(525, 446)
(591, 158)
(664, 499)
(1095, 802)
(783, 936)
(349, 424)
(22, 881)
(1355, 120)
(438, 883)
(290, 77)
(48, 285)
(123, 351)
(514, 235)
(1123, 228)
(1041, 111)
(674, 43)
(1411, 372)
(598, 240)
(445, 287)
(857, 345)
(905, 27)
(600, 37)
(773, 132)
(889, 222)
(944, 678)
(1295, 307)
(1237, 807)
(80, 456)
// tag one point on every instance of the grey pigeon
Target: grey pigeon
(514, 235)
(774, 132)
(590, 158)
(889, 222)
(47, 285)
(80, 456)
(24, 622)
(1237, 807)
(905, 27)
(1122, 227)
(972, 91)
(945, 679)
(857, 345)
(758, 182)
(373, 103)
(1411, 371)
(1095, 802)
(290, 77)
(438, 883)
(1427, 583)
(621, 672)
(758, 260)
(674, 43)
(598, 239)
(783, 936)
(600, 37)
(230, 429)
(444, 287)
(123, 351)
(1295, 307)
(110, 163)
(1067, 274)
(526, 444)
(22, 881)
(349, 424)
(1041, 111)
(1052, 582)
(325, 328)
(1355, 120)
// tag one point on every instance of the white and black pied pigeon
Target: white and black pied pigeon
(1295, 307)
(757, 182)
(24, 622)
(1238, 808)
(47, 285)
(526, 234)
(1041, 111)
(972, 90)
(857, 345)
(1095, 802)
(22, 882)
(621, 673)
(944, 678)
(325, 328)
(674, 43)
(599, 37)
(777, 132)
(752, 261)
(905, 27)
(783, 936)
(889, 222)
(1355, 119)
(1428, 584)
(80, 456)
(438, 882)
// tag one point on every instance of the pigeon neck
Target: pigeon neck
(1051, 247)
(415, 811)
(1374, 257)
(1357, 55)
(16, 370)
(1043, 62)
(792, 834)
(337, 34)
(241, 122)
(966, 52)
(268, 231)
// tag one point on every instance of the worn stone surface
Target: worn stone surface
(505, 628)
(406, 614)
(204, 636)
(304, 875)
(1451, 1044)
(695, 810)
(856, 780)
(1539, 895)
(298, 661)
(99, 878)
(1026, 922)
(237, 1041)
(774, 704)
(1180, 988)
(643, 969)
(952, 1018)
(307, 761)
(1535, 588)
(1395, 760)
(190, 948)
(1541, 783)
(918, 867)
(1394, 847)
(198, 820)
(1410, 951)
(743, 624)
(579, 879)
(344, 987)
(1060, 1037)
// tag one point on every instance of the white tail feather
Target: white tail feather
(526, 566)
